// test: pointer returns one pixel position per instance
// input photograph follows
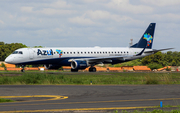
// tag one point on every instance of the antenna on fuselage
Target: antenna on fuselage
(131, 43)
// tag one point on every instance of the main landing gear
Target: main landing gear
(92, 69)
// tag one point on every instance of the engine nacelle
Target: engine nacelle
(78, 64)
(52, 66)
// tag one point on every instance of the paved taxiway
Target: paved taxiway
(81, 97)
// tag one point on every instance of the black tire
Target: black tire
(22, 70)
(92, 69)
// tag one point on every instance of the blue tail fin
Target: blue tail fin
(146, 40)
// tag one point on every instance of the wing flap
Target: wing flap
(99, 58)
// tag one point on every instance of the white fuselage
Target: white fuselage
(61, 56)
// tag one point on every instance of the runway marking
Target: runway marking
(80, 109)
(89, 102)
(52, 97)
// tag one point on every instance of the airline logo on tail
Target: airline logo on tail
(149, 38)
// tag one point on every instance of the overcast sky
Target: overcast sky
(88, 23)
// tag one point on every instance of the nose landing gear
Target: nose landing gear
(22, 70)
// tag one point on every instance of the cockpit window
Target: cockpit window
(17, 52)
(20, 52)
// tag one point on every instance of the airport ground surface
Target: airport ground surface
(87, 97)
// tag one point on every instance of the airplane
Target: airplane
(80, 58)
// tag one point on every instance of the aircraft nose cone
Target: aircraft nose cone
(8, 60)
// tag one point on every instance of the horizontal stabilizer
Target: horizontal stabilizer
(155, 51)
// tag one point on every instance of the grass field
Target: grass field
(87, 78)
(145, 111)
(5, 100)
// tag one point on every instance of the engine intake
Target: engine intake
(76, 64)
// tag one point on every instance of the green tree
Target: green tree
(148, 59)
(7, 49)
(158, 57)
(1, 43)
(38, 47)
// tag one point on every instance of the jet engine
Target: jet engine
(78, 64)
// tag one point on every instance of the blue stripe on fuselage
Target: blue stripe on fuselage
(59, 61)
(62, 61)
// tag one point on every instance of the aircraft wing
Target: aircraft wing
(157, 50)
(123, 58)
(109, 59)
(100, 59)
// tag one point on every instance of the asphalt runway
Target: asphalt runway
(54, 98)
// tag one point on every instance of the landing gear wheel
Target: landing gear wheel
(92, 69)
(74, 70)
(22, 70)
